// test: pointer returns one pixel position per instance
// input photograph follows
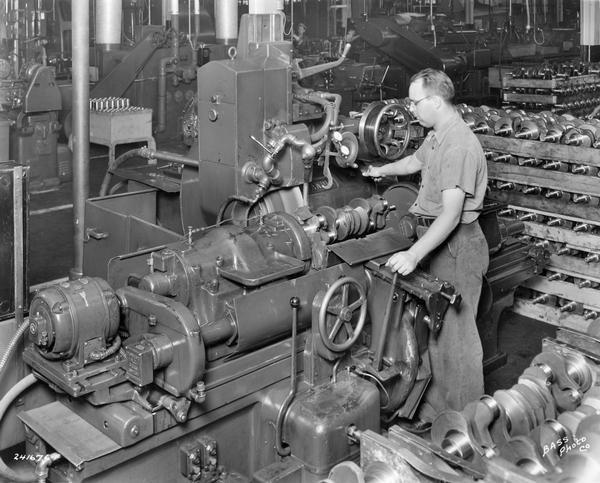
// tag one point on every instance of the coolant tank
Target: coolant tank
(315, 426)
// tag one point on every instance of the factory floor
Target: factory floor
(51, 257)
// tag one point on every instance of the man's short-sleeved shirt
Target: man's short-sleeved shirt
(452, 157)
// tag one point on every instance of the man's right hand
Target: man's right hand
(373, 172)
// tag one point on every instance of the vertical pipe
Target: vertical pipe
(169, 8)
(109, 15)
(559, 12)
(261, 7)
(589, 17)
(164, 65)
(19, 240)
(163, 12)
(469, 12)
(190, 21)
(197, 19)
(197, 33)
(226, 19)
(175, 39)
(16, 39)
(81, 128)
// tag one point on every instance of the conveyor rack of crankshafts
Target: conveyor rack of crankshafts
(545, 168)
(574, 90)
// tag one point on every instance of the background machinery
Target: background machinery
(212, 339)
(236, 321)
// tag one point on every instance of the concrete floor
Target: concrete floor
(51, 252)
(521, 339)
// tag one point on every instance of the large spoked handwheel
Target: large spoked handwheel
(339, 333)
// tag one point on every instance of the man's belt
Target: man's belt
(425, 221)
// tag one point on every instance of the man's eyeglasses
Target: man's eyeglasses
(414, 104)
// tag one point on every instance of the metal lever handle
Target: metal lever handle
(95, 233)
(454, 299)
(315, 69)
(378, 359)
(279, 444)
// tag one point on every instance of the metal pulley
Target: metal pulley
(384, 130)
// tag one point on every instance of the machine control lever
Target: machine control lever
(436, 294)
(316, 69)
(454, 298)
(95, 233)
(285, 450)
(394, 296)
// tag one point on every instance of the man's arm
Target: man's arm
(407, 165)
(452, 201)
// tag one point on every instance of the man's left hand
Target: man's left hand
(402, 262)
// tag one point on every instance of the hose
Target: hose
(100, 355)
(331, 104)
(134, 153)
(269, 162)
(12, 344)
(143, 152)
(5, 402)
(43, 466)
(148, 153)
(327, 171)
(318, 146)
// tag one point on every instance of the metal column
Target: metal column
(81, 128)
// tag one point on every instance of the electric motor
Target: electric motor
(73, 314)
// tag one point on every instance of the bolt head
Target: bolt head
(346, 314)
(39, 330)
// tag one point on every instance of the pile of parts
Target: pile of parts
(544, 428)
(572, 88)
(544, 167)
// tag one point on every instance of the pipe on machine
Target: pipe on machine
(108, 24)
(226, 21)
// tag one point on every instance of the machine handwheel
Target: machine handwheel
(344, 311)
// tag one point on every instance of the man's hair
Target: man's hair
(436, 83)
